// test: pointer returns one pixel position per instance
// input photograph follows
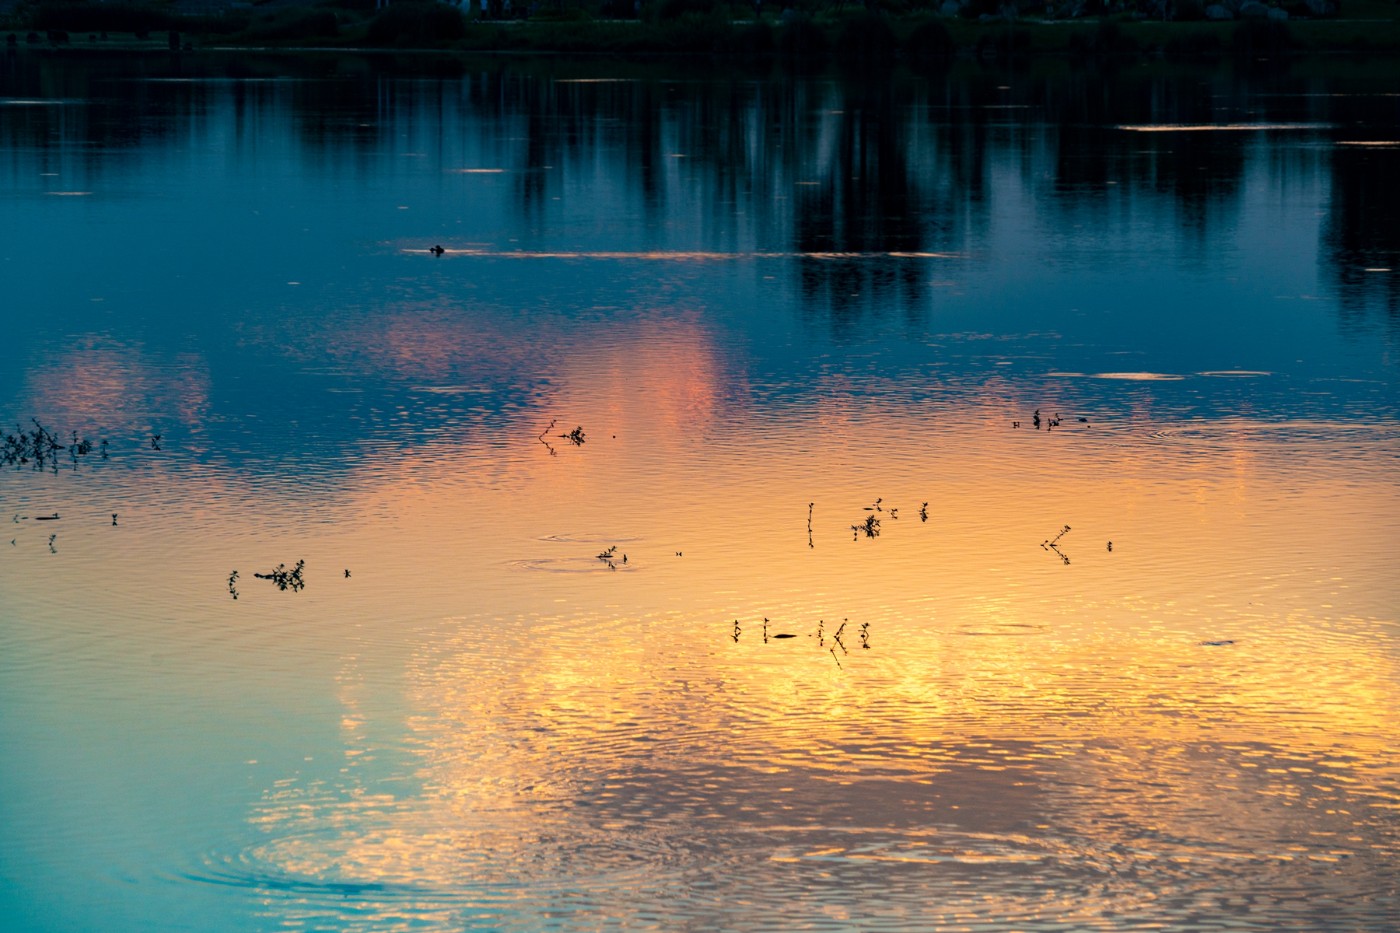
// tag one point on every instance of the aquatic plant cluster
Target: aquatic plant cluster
(41, 448)
(284, 579)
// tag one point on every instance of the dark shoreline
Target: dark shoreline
(863, 38)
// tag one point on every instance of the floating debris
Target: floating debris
(609, 557)
(1218, 644)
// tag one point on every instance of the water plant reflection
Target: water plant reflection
(41, 447)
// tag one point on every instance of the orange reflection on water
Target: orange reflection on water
(95, 381)
(1175, 704)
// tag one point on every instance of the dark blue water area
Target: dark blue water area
(267, 218)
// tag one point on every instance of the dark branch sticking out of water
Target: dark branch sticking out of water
(233, 584)
(41, 448)
(1050, 423)
(575, 437)
(610, 558)
(284, 579)
(1050, 544)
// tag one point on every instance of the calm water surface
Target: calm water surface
(1136, 670)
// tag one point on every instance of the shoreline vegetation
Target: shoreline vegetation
(801, 33)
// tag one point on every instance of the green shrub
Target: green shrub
(867, 39)
(928, 42)
(101, 17)
(408, 23)
(1198, 43)
(801, 39)
(1261, 38)
(294, 23)
(675, 9)
(756, 41)
(1004, 43)
(1105, 39)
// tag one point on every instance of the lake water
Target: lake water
(709, 359)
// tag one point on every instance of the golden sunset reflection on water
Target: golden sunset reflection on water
(1212, 674)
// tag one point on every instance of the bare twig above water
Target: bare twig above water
(1050, 544)
(831, 644)
(609, 557)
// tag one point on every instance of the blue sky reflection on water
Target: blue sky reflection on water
(777, 308)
